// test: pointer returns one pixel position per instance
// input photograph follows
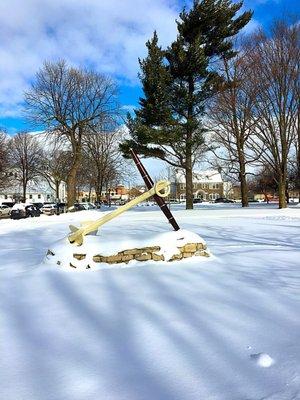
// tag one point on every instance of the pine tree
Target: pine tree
(177, 83)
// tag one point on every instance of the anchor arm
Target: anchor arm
(161, 188)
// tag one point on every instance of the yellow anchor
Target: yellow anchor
(161, 188)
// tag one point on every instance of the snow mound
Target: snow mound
(61, 252)
(263, 360)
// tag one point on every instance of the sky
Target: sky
(106, 35)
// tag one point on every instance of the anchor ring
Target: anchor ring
(162, 188)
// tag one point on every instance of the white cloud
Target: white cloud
(252, 26)
(110, 35)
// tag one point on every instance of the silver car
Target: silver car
(4, 210)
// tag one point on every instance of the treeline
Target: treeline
(80, 113)
(34, 159)
(228, 97)
(254, 119)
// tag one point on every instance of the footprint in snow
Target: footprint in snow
(262, 360)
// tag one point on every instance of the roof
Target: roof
(208, 176)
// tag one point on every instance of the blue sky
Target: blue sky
(107, 34)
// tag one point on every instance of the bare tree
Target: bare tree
(273, 66)
(231, 121)
(71, 102)
(102, 149)
(296, 171)
(25, 155)
(55, 166)
(264, 182)
(3, 159)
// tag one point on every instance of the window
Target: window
(213, 196)
(5, 196)
(48, 196)
(39, 196)
(30, 196)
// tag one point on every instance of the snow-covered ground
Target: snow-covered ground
(227, 327)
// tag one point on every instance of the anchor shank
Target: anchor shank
(149, 183)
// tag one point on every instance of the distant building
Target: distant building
(117, 193)
(207, 185)
(38, 191)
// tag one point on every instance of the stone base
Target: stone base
(141, 254)
(99, 252)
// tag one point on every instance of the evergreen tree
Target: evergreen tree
(178, 81)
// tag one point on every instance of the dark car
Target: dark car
(24, 211)
(223, 200)
(18, 211)
(32, 211)
(196, 201)
(8, 203)
(61, 207)
(97, 204)
(38, 205)
(79, 207)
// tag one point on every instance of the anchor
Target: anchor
(161, 189)
(184, 243)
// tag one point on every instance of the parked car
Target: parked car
(223, 200)
(18, 211)
(21, 210)
(195, 201)
(38, 205)
(79, 206)
(87, 205)
(97, 204)
(61, 207)
(4, 210)
(9, 204)
(49, 209)
(32, 211)
(83, 206)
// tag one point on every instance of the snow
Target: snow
(19, 206)
(263, 360)
(169, 242)
(225, 327)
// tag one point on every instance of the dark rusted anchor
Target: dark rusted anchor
(149, 183)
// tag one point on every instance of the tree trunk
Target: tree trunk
(244, 191)
(287, 195)
(71, 187)
(189, 175)
(71, 180)
(281, 192)
(243, 180)
(24, 187)
(57, 183)
(189, 187)
(188, 152)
